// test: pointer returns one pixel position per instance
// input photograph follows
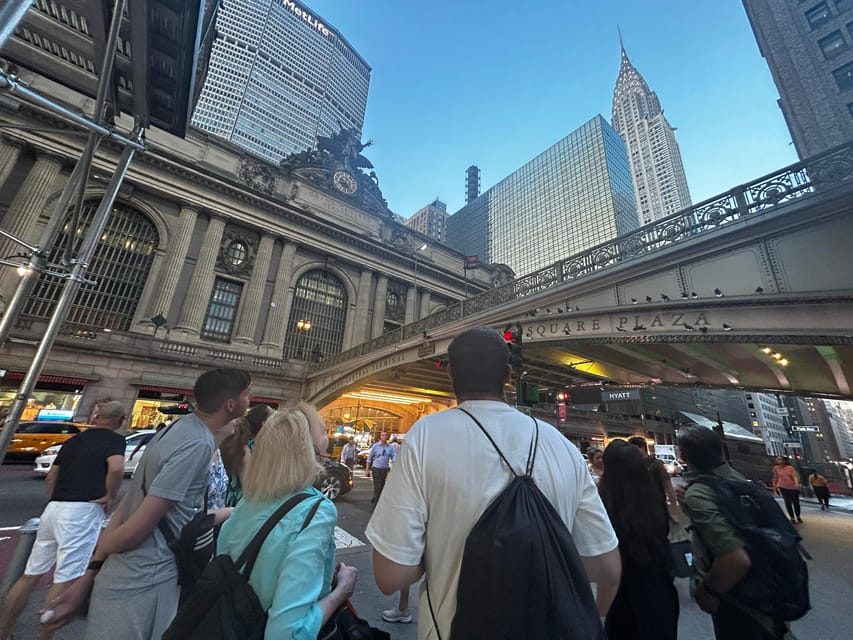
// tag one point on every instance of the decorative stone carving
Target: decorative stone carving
(237, 252)
(256, 175)
(501, 275)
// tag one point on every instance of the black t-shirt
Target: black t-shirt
(82, 464)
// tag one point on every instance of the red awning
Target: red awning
(259, 399)
(151, 387)
(19, 375)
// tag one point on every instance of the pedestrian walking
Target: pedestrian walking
(638, 511)
(786, 481)
(133, 575)
(82, 485)
(448, 473)
(349, 452)
(721, 560)
(379, 463)
(821, 489)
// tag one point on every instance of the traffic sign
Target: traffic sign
(806, 428)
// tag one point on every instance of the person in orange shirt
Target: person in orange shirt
(787, 482)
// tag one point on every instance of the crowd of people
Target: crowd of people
(241, 465)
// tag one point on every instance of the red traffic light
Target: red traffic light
(510, 336)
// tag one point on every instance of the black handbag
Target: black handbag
(346, 625)
(682, 558)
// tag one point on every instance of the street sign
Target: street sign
(626, 394)
(805, 428)
(426, 349)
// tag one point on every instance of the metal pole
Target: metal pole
(63, 305)
(18, 561)
(39, 257)
(11, 83)
(11, 13)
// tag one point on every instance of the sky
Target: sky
(496, 83)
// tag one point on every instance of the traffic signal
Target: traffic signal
(513, 339)
(562, 396)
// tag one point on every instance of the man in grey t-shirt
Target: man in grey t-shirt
(135, 594)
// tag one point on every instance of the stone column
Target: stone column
(379, 307)
(23, 214)
(411, 300)
(359, 329)
(247, 322)
(426, 300)
(198, 293)
(9, 154)
(174, 257)
(29, 202)
(280, 303)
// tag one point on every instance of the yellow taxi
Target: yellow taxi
(32, 437)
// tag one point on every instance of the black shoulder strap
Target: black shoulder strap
(246, 562)
(531, 451)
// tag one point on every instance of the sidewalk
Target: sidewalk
(368, 600)
(836, 503)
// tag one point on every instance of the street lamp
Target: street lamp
(303, 326)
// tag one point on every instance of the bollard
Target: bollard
(18, 561)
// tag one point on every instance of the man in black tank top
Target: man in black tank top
(82, 485)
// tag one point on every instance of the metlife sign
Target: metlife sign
(624, 395)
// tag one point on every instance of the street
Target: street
(828, 536)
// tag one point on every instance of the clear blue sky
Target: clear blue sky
(495, 83)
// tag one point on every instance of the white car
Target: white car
(133, 449)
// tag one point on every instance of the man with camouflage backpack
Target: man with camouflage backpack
(748, 570)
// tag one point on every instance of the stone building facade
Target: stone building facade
(210, 258)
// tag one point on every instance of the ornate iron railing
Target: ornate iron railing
(821, 172)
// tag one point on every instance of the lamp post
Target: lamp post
(303, 326)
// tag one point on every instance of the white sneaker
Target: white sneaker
(397, 615)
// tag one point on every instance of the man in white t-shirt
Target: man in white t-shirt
(448, 473)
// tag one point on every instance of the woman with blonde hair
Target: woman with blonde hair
(294, 573)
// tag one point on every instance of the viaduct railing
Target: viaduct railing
(799, 180)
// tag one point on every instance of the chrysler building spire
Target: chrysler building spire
(657, 171)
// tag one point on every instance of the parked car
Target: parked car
(134, 448)
(335, 480)
(32, 438)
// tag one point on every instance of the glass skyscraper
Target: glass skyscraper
(573, 196)
(280, 76)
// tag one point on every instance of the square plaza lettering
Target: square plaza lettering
(660, 322)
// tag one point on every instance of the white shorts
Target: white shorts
(67, 535)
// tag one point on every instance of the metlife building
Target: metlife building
(279, 76)
(571, 197)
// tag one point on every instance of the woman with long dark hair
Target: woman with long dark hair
(646, 606)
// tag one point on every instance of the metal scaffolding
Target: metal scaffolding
(74, 267)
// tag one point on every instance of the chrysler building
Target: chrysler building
(656, 168)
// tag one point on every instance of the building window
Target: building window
(832, 45)
(818, 15)
(392, 301)
(320, 301)
(844, 77)
(119, 266)
(843, 5)
(237, 253)
(222, 310)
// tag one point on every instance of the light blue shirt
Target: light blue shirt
(294, 569)
(381, 455)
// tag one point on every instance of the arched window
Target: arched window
(317, 317)
(120, 267)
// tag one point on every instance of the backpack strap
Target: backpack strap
(531, 451)
(246, 562)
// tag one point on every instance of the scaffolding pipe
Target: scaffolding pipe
(10, 82)
(38, 259)
(11, 13)
(69, 292)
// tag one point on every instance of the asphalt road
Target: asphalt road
(827, 536)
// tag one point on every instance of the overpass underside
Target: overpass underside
(752, 289)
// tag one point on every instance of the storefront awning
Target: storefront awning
(176, 390)
(48, 379)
